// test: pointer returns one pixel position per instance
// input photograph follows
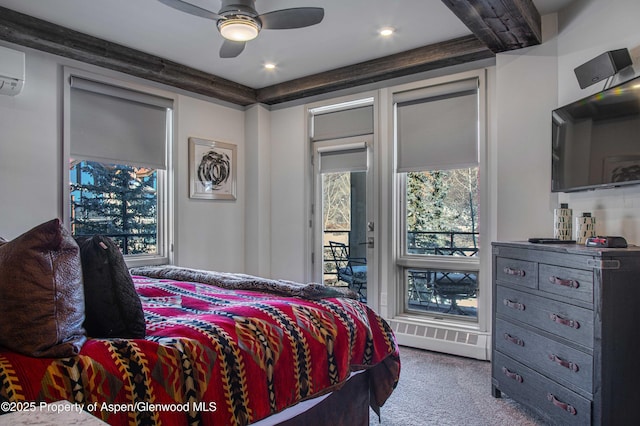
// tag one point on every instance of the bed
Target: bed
(218, 349)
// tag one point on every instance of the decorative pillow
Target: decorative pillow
(41, 294)
(113, 308)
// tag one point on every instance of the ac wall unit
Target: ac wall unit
(11, 71)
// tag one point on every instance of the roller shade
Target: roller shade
(437, 127)
(348, 158)
(344, 123)
(112, 124)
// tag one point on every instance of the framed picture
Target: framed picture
(212, 169)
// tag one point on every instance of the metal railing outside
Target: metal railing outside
(329, 272)
(146, 242)
(441, 243)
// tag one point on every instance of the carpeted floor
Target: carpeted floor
(440, 389)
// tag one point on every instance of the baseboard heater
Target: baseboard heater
(460, 342)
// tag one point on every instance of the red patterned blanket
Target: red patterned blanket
(212, 356)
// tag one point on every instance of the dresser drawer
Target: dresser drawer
(567, 321)
(574, 283)
(551, 400)
(516, 271)
(548, 357)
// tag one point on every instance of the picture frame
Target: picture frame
(212, 169)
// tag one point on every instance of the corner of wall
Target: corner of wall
(526, 93)
(258, 191)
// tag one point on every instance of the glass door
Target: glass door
(343, 227)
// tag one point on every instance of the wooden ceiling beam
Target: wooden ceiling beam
(42, 35)
(501, 25)
(439, 55)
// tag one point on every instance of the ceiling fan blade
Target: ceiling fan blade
(183, 6)
(231, 49)
(297, 17)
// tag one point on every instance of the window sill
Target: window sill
(136, 261)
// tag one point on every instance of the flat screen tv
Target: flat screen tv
(596, 140)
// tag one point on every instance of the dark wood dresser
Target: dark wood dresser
(566, 331)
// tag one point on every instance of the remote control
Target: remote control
(551, 241)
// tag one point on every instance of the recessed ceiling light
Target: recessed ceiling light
(386, 31)
(270, 66)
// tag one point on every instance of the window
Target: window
(442, 212)
(441, 216)
(118, 144)
(437, 143)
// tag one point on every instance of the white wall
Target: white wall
(586, 30)
(209, 234)
(258, 190)
(526, 92)
(289, 205)
(30, 150)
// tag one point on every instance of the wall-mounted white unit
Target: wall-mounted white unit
(11, 71)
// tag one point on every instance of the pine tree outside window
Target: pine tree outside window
(118, 201)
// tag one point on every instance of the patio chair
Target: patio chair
(421, 288)
(455, 286)
(351, 270)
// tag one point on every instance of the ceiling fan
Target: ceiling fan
(239, 22)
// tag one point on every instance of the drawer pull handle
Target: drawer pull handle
(513, 305)
(563, 282)
(566, 364)
(514, 340)
(515, 272)
(510, 374)
(566, 407)
(569, 323)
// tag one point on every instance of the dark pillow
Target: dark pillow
(41, 294)
(113, 308)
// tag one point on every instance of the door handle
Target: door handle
(369, 243)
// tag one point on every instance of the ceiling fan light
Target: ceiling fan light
(238, 29)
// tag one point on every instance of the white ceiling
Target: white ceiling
(346, 36)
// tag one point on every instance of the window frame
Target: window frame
(164, 177)
(402, 260)
(406, 261)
